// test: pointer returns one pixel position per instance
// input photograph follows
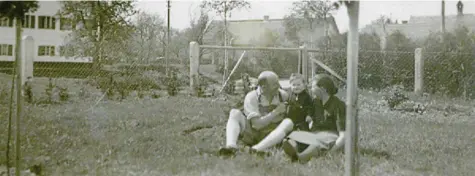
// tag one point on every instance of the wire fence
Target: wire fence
(446, 73)
(449, 73)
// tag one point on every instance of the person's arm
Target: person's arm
(341, 124)
(259, 122)
(251, 109)
(309, 107)
(318, 113)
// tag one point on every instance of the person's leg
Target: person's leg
(235, 125)
(290, 148)
(314, 150)
(276, 136)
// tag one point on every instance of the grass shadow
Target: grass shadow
(374, 153)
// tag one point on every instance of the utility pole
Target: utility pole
(167, 52)
(443, 16)
(225, 41)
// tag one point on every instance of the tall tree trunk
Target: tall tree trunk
(167, 54)
(96, 61)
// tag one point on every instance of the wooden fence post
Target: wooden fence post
(418, 72)
(28, 53)
(194, 66)
(304, 61)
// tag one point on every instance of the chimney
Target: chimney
(266, 17)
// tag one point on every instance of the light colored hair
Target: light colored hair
(297, 76)
(268, 77)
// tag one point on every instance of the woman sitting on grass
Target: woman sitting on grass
(328, 128)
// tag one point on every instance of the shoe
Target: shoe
(290, 150)
(259, 153)
(227, 151)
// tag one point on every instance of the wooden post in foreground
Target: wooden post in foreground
(351, 145)
(19, 96)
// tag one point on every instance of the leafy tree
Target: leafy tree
(17, 9)
(104, 27)
(451, 71)
(398, 41)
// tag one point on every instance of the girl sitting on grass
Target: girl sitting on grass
(328, 128)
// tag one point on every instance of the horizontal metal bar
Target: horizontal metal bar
(248, 48)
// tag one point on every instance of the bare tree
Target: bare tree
(224, 8)
(148, 38)
(314, 11)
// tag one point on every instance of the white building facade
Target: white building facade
(47, 29)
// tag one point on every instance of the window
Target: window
(29, 21)
(46, 22)
(6, 50)
(46, 51)
(66, 24)
(6, 22)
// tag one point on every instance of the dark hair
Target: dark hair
(327, 83)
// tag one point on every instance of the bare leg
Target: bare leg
(236, 123)
(276, 136)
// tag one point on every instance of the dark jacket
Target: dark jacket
(300, 106)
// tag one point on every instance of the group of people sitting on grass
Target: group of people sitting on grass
(305, 123)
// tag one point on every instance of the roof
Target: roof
(246, 31)
(421, 26)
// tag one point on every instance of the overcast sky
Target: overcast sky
(183, 10)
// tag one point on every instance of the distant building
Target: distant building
(419, 27)
(250, 32)
(246, 32)
(47, 29)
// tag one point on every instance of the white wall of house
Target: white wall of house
(45, 27)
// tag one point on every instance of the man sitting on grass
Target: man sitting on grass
(328, 129)
(260, 124)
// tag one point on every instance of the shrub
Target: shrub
(172, 84)
(63, 93)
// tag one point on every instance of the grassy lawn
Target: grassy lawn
(146, 137)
